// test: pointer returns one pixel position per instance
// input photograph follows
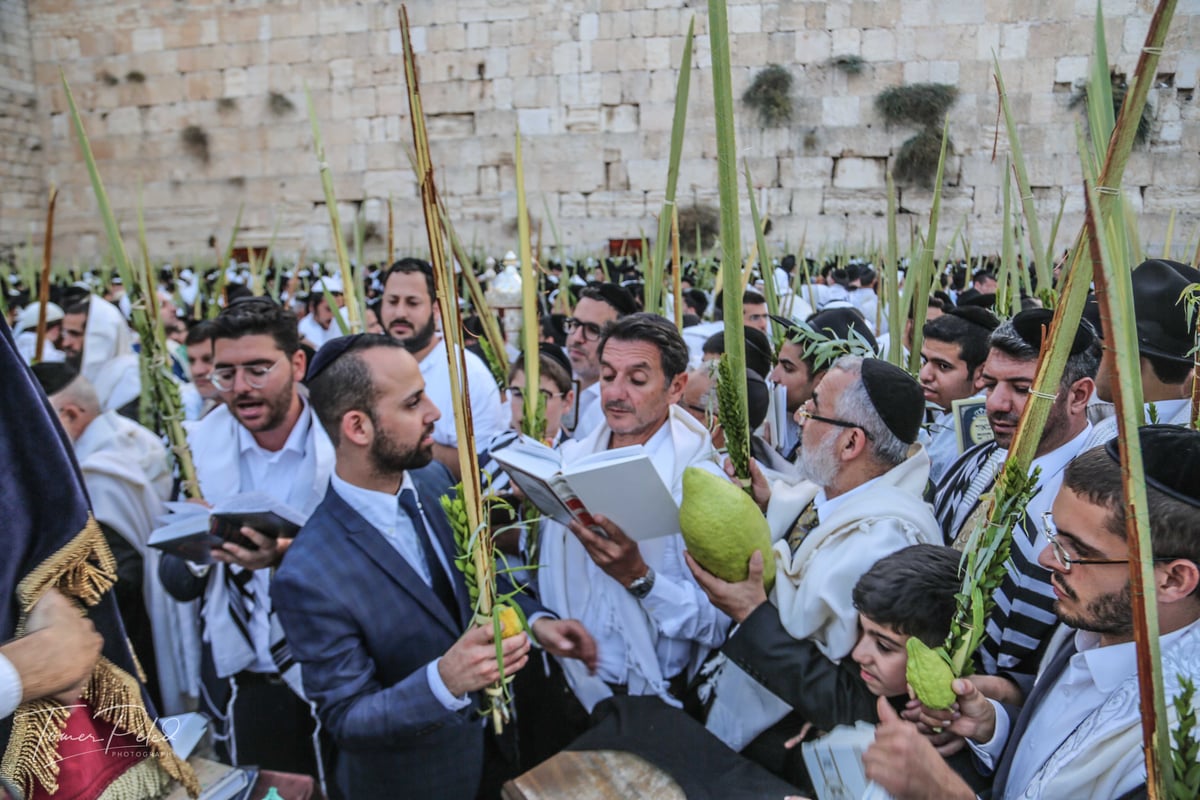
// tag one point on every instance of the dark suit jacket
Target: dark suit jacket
(363, 626)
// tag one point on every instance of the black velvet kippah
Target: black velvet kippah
(554, 352)
(618, 297)
(329, 353)
(897, 398)
(54, 376)
(1171, 457)
(976, 316)
(1030, 325)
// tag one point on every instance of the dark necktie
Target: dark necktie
(441, 581)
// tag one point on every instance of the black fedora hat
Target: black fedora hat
(1163, 328)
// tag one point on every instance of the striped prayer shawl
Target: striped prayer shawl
(1023, 617)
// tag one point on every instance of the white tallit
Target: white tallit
(125, 470)
(108, 358)
(570, 582)
(214, 443)
(814, 586)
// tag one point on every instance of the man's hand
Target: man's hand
(972, 717)
(267, 552)
(614, 552)
(566, 638)
(55, 659)
(760, 488)
(470, 664)
(904, 763)
(999, 688)
(737, 600)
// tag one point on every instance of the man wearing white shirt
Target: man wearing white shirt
(371, 601)
(652, 623)
(953, 350)
(319, 325)
(1079, 734)
(264, 438)
(598, 307)
(408, 315)
(1020, 625)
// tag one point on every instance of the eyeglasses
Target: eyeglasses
(518, 394)
(1065, 559)
(590, 331)
(255, 375)
(805, 414)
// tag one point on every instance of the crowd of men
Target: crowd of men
(348, 652)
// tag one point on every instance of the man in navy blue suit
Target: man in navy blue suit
(372, 606)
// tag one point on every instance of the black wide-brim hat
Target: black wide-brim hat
(1163, 328)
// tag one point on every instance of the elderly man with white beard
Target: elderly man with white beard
(860, 499)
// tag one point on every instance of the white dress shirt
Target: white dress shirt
(10, 688)
(486, 408)
(286, 474)
(1091, 676)
(591, 411)
(382, 512)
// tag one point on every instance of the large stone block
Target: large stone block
(859, 173)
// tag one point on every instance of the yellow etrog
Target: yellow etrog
(723, 526)
(929, 674)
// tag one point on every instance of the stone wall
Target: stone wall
(201, 105)
(21, 184)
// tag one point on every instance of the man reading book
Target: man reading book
(652, 623)
(264, 438)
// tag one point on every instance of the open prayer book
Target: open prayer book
(835, 764)
(620, 484)
(192, 530)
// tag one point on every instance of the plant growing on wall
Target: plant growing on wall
(850, 63)
(195, 142)
(280, 104)
(1079, 100)
(770, 96)
(699, 223)
(924, 106)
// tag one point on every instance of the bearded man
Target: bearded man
(264, 438)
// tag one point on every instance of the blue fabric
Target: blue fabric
(43, 503)
(364, 625)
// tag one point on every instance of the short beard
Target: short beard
(277, 409)
(420, 338)
(73, 359)
(1110, 614)
(389, 458)
(819, 464)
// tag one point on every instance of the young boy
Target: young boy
(908, 593)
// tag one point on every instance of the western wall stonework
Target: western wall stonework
(200, 107)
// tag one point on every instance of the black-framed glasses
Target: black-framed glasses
(590, 331)
(805, 414)
(255, 375)
(518, 394)
(1065, 559)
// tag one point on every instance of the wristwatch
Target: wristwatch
(642, 586)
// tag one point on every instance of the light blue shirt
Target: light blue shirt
(382, 511)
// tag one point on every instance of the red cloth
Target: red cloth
(92, 754)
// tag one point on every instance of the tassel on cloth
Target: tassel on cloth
(84, 569)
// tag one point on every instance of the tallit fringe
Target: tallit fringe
(83, 569)
(32, 752)
(144, 781)
(116, 698)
